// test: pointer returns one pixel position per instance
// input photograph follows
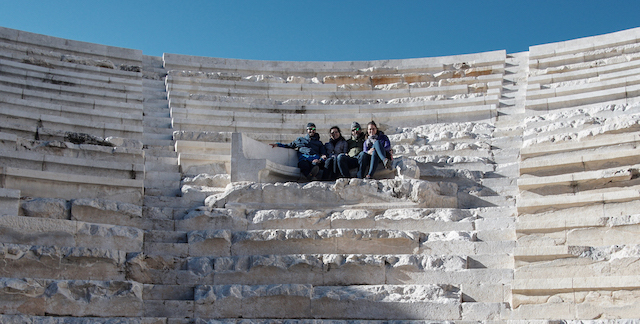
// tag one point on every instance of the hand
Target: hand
(315, 161)
(273, 145)
(370, 152)
(324, 157)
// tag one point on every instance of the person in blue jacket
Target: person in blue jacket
(376, 149)
(311, 152)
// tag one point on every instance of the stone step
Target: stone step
(533, 203)
(594, 97)
(53, 60)
(157, 113)
(34, 183)
(126, 106)
(172, 186)
(226, 242)
(17, 107)
(62, 263)
(167, 192)
(156, 142)
(223, 103)
(580, 181)
(581, 261)
(59, 297)
(150, 165)
(156, 105)
(608, 70)
(38, 85)
(12, 69)
(418, 219)
(73, 166)
(292, 125)
(41, 231)
(305, 301)
(160, 151)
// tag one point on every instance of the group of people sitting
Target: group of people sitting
(339, 155)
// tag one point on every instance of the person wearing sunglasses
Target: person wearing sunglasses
(354, 146)
(335, 146)
(311, 152)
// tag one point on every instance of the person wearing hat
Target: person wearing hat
(311, 152)
(354, 146)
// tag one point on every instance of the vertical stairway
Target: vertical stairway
(162, 173)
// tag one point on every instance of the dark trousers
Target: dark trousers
(345, 163)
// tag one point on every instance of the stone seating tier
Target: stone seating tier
(321, 69)
(594, 43)
(62, 88)
(602, 72)
(216, 83)
(126, 106)
(81, 79)
(51, 60)
(36, 43)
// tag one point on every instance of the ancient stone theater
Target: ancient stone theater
(143, 189)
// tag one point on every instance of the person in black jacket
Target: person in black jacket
(311, 152)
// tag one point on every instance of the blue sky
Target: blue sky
(321, 30)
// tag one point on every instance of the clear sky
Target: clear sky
(321, 30)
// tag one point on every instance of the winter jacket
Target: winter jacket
(380, 136)
(355, 144)
(309, 148)
(335, 147)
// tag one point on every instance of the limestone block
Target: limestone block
(272, 301)
(482, 311)
(46, 208)
(22, 296)
(266, 269)
(61, 262)
(352, 269)
(377, 241)
(94, 298)
(391, 302)
(220, 218)
(169, 308)
(354, 218)
(426, 219)
(483, 293)
(604, 236)
(167, 292)
(37, 231)
(344, 191)
(106, 211)
(209, 243)
(109, 236)
(9, 201)
(495, 247)
(608, 304)
(346, 79)
(288, 219)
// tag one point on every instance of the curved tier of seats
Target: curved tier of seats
(514, 197)
(578, 180)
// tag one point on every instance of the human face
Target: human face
(356, 131)
(311, 131)
(372, 130)
(334, 133)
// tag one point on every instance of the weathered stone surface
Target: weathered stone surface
(105, 211)
(46, 208)
(344, 191)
